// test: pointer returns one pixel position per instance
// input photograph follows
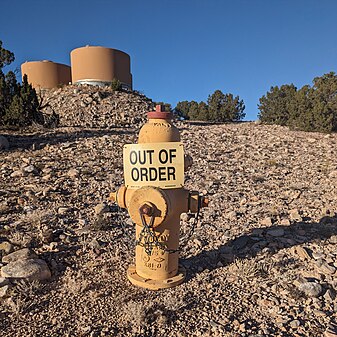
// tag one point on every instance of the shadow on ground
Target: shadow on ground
(272, 239)
(207, 123)
(39, 139)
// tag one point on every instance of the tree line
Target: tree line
(311, 108)
(220, 107)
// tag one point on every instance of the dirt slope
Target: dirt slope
(261, 262)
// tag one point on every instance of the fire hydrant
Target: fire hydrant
(154, 196)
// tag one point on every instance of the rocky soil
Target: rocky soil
(261, 260)
(95, 107)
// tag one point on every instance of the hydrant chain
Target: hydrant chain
(148, 238)
(188, 236)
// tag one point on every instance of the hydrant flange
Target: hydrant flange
(151, 284)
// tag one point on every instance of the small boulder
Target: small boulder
(101, 208)
(267, 222)
(4, 291)
(22, 254)
(295, 215)
(32, 269)
(30, 169)
(311, 289)
(72, 173)
(301, 252)
(63, 210)
(276, 232)
(7, 247)
(184, 217)
(4, 281)
(17, 173)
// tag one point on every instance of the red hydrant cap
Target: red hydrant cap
(160, 113)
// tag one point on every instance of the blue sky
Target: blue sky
(185, 50)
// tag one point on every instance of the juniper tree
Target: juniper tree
(225, 107)
(18, 102)
(203, 111)
(182, 109)
(275, 105)
(309, 108)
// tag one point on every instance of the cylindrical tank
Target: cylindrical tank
(100, 65)
(46, 74)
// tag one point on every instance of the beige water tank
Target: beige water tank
(100, 65)
(46, 74)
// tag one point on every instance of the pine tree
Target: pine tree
(215, 103)
(193, 111)
(275, 105)
(182, 109)
(15, 114)
(300, 110)
(324, 98)
(225, 108)
(6, 56)
(203, 111)
(19, 104)
(309, 109)
(233, 108)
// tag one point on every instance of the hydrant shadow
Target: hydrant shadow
(269, 239)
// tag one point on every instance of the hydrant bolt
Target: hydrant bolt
(146, 209)
(205, 202)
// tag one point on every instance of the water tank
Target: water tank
(46, 74)
(100, 65)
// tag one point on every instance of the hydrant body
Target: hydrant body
(156, 210)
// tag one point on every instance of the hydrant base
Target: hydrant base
(148, 283)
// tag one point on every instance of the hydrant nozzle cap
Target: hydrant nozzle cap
(159, 113)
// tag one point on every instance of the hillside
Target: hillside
(95, 107)
(261, 261)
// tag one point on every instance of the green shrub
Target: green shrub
(220, 107)
(116, 85)
(276, 104)
(308, 109)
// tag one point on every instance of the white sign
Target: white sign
(154, 164)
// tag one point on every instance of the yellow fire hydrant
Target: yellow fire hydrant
(154, 196)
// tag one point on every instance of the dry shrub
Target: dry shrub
(76, 285)
(23, 296)
(133, 314)
(251, 268)
(37, 218)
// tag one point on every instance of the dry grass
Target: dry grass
(76, 285)
(23, 296)
(251, 268)
(37, 218)
(133, 314)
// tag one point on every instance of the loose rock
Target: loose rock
(7, 247)
(21, 254)
(32, 269)
(311, 289)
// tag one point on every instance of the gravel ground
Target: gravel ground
(261, 260)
